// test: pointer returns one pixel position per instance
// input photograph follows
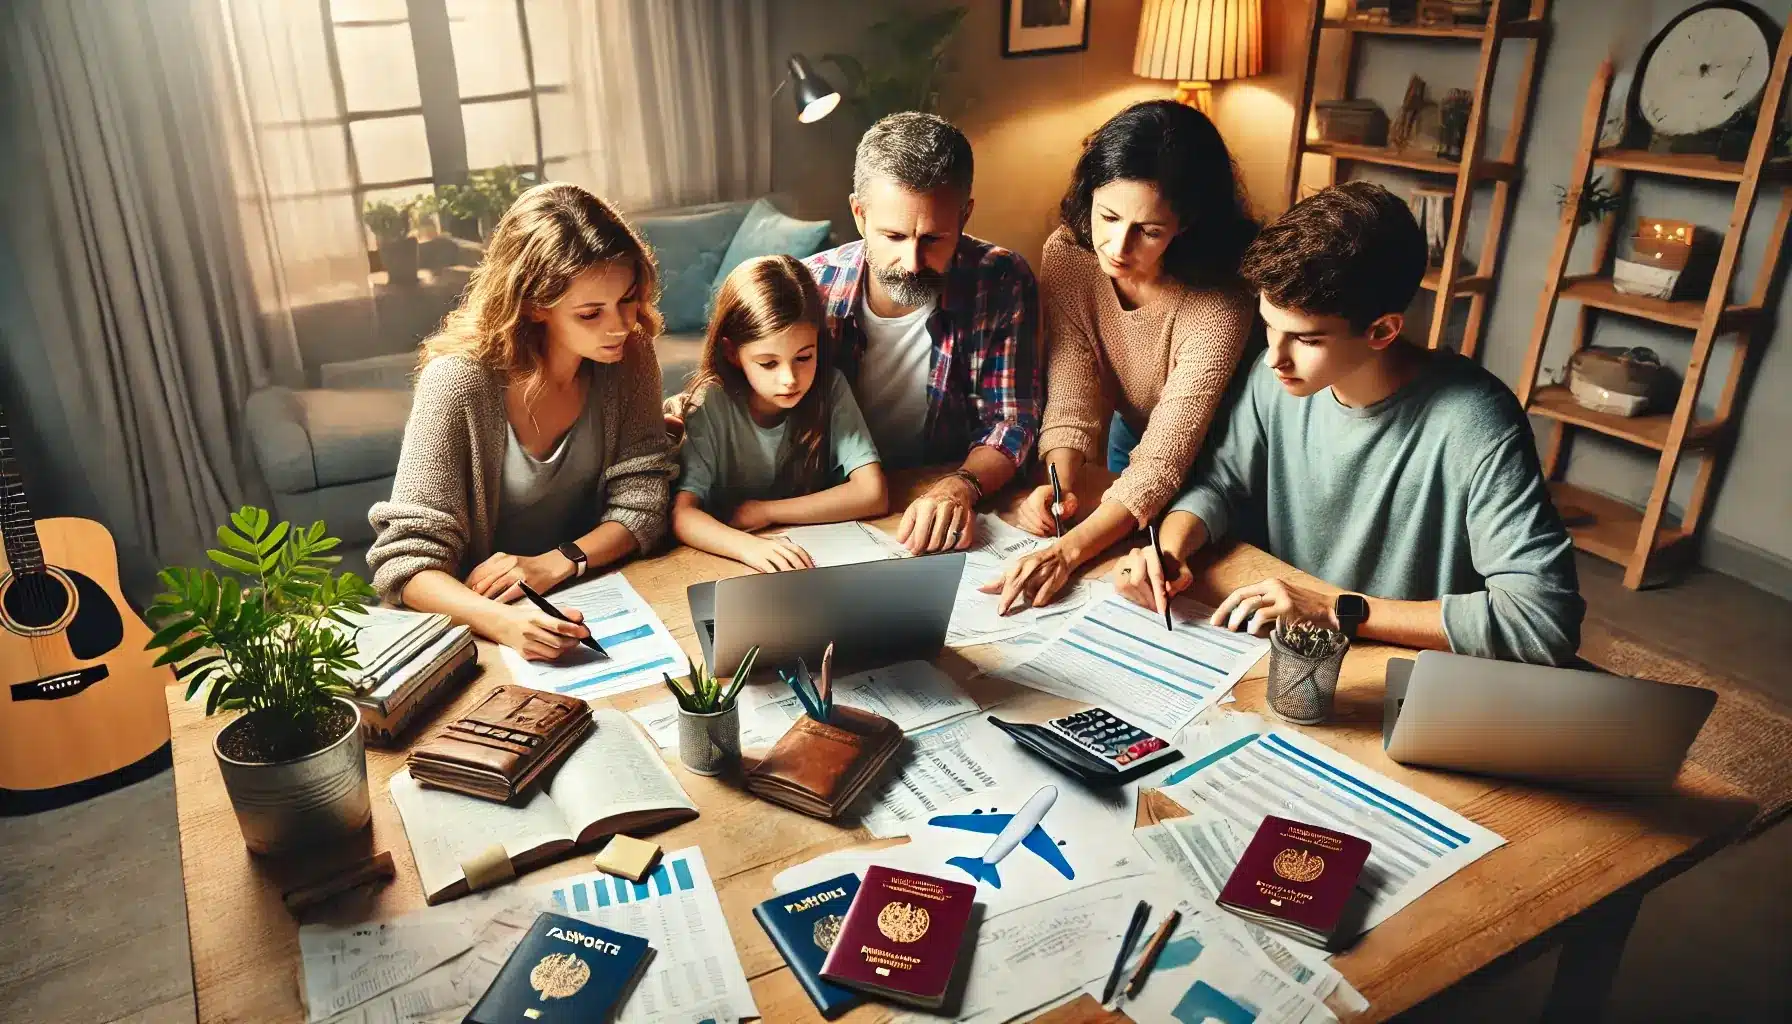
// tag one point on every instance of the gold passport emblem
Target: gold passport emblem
(827, 930)
(903, 922)
(559, 975)
(1298, 865)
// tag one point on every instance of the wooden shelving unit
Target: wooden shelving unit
(1449, 281)
(1639, 539)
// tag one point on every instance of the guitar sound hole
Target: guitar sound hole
(36, 600)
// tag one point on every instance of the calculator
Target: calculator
(1095, 745)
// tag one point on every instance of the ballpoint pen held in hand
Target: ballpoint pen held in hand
(541, 602)
(1162, 571)
(1057, 500)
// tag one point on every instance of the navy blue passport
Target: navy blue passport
(803, 925)
(562, 970)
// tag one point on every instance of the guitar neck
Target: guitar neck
(17, 527)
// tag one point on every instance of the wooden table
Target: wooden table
(1573, 861)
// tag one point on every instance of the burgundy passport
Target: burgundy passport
(902, 936)
(1296, 878)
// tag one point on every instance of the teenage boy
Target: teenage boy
(1405, 480)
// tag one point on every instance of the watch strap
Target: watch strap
(576, 556)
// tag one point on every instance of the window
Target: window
(429, 90)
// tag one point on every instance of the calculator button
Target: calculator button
(1122, 759)
(1150, 745)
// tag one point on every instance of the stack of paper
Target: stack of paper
(1241, 770)
(388, 639)
(1118, 655)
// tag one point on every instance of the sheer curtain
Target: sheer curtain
(669, 99)
(144, 330)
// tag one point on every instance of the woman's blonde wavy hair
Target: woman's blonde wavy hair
(552, 233)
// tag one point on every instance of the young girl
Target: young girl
(778, 437)
(535, 450)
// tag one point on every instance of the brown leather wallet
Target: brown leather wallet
(820, 768)
(498, 750)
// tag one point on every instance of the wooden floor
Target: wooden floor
(93, 926)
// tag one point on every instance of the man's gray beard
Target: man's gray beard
(908, 289)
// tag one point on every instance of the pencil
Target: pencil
(1149, 960)
(1159, 552)
(541, 602)
(1133, 927)
(826, 689)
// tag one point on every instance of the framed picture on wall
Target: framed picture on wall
(1034, 28)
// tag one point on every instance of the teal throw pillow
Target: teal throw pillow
(767, 232)
(688, 248)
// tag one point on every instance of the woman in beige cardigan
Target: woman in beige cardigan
(1145, 320)
(535, 450)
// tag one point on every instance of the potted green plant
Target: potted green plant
(901, 65)
(484, 198)
(709, 716)
(391, 227)
(280, 649)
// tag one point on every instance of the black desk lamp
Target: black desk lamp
(815, 98)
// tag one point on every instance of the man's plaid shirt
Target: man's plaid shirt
(983, 384)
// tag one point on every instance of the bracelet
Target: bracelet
(971, 478)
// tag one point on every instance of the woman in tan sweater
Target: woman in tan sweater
(535, 449)
(1145, 320)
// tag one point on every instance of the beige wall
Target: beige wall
(1026, 117)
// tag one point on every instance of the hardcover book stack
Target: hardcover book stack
(407, 663)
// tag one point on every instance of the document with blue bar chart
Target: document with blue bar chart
(695, 974)
(1243, 769)
(613, 781)
(1120, 656)
(637, 642)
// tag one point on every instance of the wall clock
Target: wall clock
(1707, 66)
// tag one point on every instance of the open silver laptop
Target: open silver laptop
(1583, 729)
(874, 613)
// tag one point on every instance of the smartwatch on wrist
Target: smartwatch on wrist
(575, 555)
(1351, 610)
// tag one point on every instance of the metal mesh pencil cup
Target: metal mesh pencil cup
(1301, 689)
(709, 744)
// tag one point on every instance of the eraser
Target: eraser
(627, 857)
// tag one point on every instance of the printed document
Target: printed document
(1118, 655)
(974, 616)
(695, 974)
(347, 966)
(1244, 770)
(623, 624)
(938, 766)
(845, 543)
(1204, 974)
(613, 781)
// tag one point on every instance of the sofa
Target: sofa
(330, 452)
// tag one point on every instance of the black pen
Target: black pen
(541, 602)
(1159, 552)
(1137, 925)
(1057, 500)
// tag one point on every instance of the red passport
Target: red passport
(902, 936)
(1296, 879)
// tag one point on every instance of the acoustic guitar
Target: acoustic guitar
(81, 709)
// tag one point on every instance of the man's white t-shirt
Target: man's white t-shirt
(893, 381)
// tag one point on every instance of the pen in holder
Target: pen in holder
(709, 717)
(817, 695)
(1304, 660)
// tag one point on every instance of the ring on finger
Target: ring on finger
(1127, 571)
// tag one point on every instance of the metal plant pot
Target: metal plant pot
(709, 744)
(314, 799)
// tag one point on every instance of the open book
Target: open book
(613, 781)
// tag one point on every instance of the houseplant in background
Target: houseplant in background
(709, 716)
(391, 227)
(293, 763)
(901, 65)
(483, 199)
